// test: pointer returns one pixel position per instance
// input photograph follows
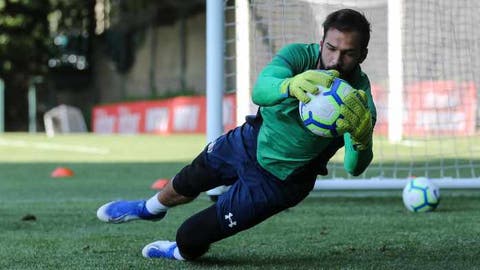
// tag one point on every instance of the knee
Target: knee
(197, 233)
(188, 246)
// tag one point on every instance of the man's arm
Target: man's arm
(356, 161)
(290, 74)
(266, 91)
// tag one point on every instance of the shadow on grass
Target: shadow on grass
(400, 256)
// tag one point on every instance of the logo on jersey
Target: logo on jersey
(229, 217)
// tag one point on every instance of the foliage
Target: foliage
(27, 29)
(27, 32)
(24, 37)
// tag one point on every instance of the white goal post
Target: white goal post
(423, 65)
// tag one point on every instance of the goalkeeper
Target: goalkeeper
(272, 161)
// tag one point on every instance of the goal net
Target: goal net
(423, 65)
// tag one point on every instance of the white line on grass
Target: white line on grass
(411, 143)
(54, 146)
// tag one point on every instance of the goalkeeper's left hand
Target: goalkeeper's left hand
(357, 119)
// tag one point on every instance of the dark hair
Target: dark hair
(348, 20)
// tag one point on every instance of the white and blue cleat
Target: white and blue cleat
(162, 250)
(123, 211)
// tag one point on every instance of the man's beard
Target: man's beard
(337, 69)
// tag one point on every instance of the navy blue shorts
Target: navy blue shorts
(256, 194)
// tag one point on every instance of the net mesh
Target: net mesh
(440, 57)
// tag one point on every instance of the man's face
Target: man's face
(342, 51)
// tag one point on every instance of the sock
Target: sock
(176, 254)
(154, 206)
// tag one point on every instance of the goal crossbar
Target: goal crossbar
(391, 183)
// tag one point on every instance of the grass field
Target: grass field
(50, 223)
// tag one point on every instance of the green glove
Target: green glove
(307, 82)
(357, 119)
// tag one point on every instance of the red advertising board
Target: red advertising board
(432, 108)
(440, 108)
(175, 115)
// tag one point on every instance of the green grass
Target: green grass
(330, 230)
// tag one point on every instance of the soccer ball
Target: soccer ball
(421, 195)
(320, 115)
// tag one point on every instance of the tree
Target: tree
(28, 29)
(23, 52)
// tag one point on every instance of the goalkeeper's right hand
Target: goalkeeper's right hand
(357, 119)
(307, 82)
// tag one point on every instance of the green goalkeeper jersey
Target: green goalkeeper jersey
(284, 144)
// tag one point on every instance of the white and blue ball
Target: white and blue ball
(421, 195)
(320, 115)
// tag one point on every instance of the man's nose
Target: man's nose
(335, 60)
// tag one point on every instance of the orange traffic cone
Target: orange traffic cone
(61, 172)
(159, 183)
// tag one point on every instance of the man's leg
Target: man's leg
(183, 188)
(247, 203)
(193, 238)
(217, 165)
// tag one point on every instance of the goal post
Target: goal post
(395, 70)
(423, 66)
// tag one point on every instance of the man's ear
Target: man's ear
(364, 55)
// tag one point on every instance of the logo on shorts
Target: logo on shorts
(210, 147)
(230, 220)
